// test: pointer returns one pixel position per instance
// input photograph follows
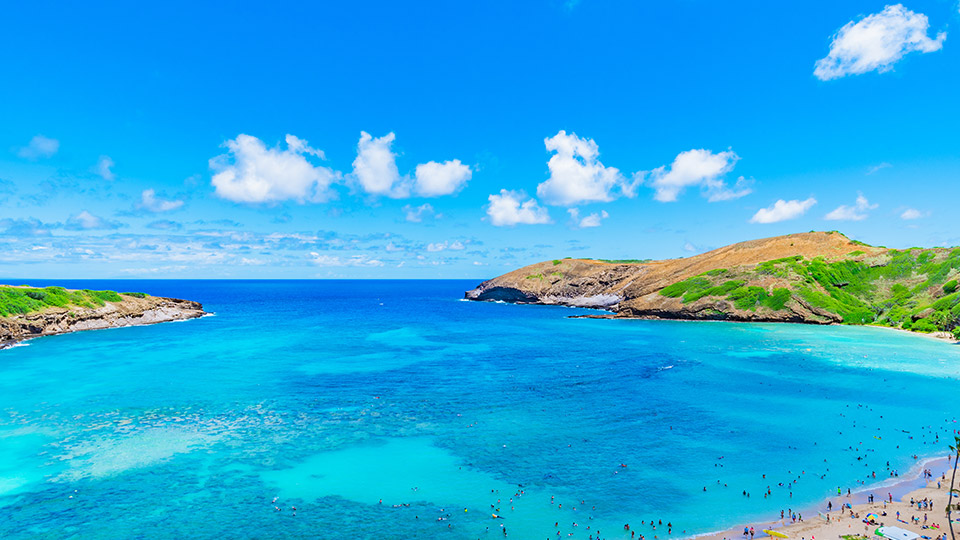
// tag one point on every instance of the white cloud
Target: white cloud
(435, 179)
(252, 173)
(87, 221)
(702, 168)
(783, 210)
(39, 147)
(576, 175)
(443, 246)
(592, 220)
(740, 189)
(851, 213)
(509, 208)
(375, 167)
(877, 167)
(416, 214)
(355, 260)
(104, 164)
(152, 203)
(877, 42)
(913, 213)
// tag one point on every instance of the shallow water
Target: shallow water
(333, 396)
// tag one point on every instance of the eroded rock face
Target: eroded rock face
(130, 312)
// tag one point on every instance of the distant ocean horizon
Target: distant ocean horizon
(393, 409)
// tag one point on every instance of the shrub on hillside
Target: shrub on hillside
(923, 325)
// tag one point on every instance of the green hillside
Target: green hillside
(21, 300)
(914, 289)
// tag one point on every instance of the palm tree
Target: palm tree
(956, 457)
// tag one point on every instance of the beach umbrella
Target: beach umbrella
(873, 517)
(776, 534)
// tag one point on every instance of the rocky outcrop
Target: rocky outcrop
(132, 311)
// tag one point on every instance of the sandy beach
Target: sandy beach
(838, 520)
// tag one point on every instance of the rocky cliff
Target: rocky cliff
(816, 277)
(129, 310)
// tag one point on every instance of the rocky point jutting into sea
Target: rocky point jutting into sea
(27, 312)
(815, 277)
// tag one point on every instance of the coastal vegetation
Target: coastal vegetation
(914, 289)
(25, 299)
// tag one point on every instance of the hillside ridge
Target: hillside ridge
(815, 277)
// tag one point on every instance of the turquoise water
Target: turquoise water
(391, 409)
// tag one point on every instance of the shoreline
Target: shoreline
(22, 342)
(911, 486)
(610, 315)
(132, 311)
(941, 335)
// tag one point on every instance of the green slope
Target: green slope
(913, 289)
(21, 300)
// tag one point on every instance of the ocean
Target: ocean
(393, 409)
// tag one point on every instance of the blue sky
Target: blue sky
(449, 140)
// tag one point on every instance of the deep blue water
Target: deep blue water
(332, 396)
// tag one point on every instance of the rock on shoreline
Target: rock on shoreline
(132, 311)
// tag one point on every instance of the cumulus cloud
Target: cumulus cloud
(701, 168)
(375, 167)
(856, 212)
(150, 202)
(39, 147)
(783, 210)
(334, 260)
(252, 173)
(913, 213)
(435, 179)
(375, 170)
(877, 42)
(509, 208)
(577, 176)
(85, 221)
(588, 221)
(103, 168)
(416, 214)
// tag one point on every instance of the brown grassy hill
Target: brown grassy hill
(816, 277)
